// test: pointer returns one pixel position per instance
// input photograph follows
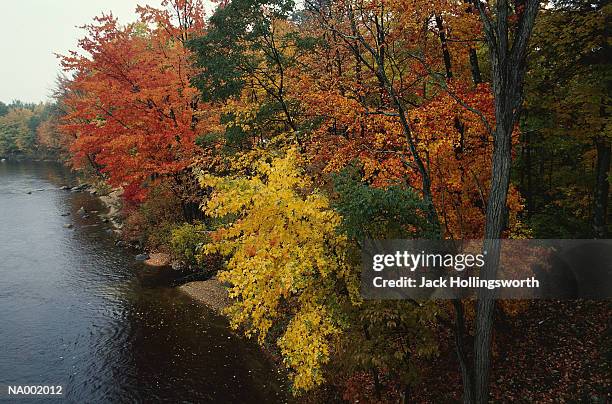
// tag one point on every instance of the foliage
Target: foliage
(368, 212)
(131, 110)
(4, 109)
(229, 53)
(152, 222)
(16, 135)
(20, 125)
(285, 260)
(386, 337)
(187, 241)
(248, 58)
(567, 114)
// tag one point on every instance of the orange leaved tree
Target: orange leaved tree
(130, 107)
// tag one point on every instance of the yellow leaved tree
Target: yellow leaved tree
(286, 261)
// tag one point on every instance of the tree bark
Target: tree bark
(467, 376)
(508, 65)
(475, 67)
(444, 44)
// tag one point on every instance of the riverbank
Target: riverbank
(112, 201)
(211, 292)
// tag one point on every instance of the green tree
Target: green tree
(246, 55)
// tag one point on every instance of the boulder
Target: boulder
(142, 257)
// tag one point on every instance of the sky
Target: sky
(33, 30)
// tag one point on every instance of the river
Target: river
(74, 313)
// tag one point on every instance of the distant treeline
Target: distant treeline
(25, 130)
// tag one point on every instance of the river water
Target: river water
(73, 311)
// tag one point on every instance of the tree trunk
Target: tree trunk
(495, 224)
(508, 65)
(444, 44)
(467, 376)
(602, 188)
(475, 67)
(529, 190)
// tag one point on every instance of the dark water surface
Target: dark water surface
(74, 313)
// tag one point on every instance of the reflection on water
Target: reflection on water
(73, 312)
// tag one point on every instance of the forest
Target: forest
(267, 139)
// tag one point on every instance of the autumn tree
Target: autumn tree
(285, 261)
(391, 86)
(131, 108)
(393, 67)
(49, 136)
(16, 134)
(4, 109)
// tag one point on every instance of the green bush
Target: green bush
(187, 240)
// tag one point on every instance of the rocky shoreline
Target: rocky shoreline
(211, 292)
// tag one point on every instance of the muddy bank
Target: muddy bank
(210, 292)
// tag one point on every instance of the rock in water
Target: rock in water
(65, 188)
(81, 211)
(142, 257)
(68, 226)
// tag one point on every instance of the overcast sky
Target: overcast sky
(31, 31)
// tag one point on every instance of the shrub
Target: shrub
(187, 240)
(151, 223)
